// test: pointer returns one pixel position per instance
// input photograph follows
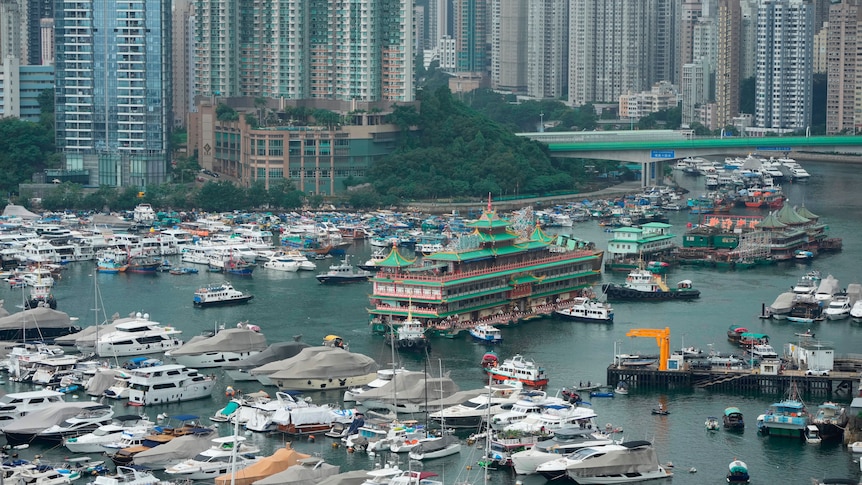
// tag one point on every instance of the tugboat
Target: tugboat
(409, 335)
(343, 273)
(223, 294)
(641, 284)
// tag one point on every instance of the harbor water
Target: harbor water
(288, 305)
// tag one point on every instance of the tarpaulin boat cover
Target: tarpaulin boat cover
(53, 413)
(36, 318)
(174, 451)
(619, 460)
(101, 381)
(412, 387)
(302, 416)
(321, 363)
(227, 340)
(86, 337)
(266, 467)
(12, 210)
(355, 477)
(275, 352)
(308, 471)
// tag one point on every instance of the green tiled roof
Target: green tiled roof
(395, 260)
(503, 236)
(527, 278)
(489, 219)
(540, 235)
(485, 252)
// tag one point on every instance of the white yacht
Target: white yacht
(566, 440)
(856, 311)
(93, 442)
(137, 335)
(167, 383)
(629, 462)
(470, 413)
(227, 453)
(17, 404)
(763, 352)
(85, 421)
(384, 376)
(529, 403)
(555, 417)
(282, 263)
(228, 345)
(839, 308)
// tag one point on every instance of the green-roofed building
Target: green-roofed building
(630, 246)
(494, 276)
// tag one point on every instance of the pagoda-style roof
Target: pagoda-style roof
(485, 253)
(771, 222)
(395, 260)
(489, 219)
(804, 212)
(495, 237)
(788, 215)
(540, 235)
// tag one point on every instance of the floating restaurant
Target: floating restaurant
(494, 276)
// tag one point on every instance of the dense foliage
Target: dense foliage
(459, 152)
(25, 147)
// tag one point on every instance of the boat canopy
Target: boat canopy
(51, 414)
(35, 319)
(178, 449)
(732, 410)
(322, 363)
(312, 470)
(227, 340)
(412, 387)
(281, 460)
(752, 335)
(276, 351)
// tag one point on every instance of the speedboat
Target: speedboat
(554, 417)
(520, 369)
(712, 423)
(622, 388)
(137, 335)
(628, 462)
(839, 307)
(225, 453)
(228, 345)
(167, 383)
(529, 403)
(856, 311)
(486, 333)
(812, 435)
(588, 310)
(85, 421)
(127, 476)
(566, 440)
(436, 447)
(92, 442)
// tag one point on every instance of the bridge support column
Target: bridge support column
(650, 173)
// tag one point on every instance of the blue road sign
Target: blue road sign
(774, 149)
(662, 154)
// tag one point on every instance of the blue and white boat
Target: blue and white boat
(486, 333)
(788, 417)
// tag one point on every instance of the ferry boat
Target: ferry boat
(486, 333)
(167, 383)
(494, 276)
(643, 284)
(588, 310)
(222, 294)
(519, 369)
(137, 335)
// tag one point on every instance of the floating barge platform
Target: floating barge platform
(843, 382)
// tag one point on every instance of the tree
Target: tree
(221, 196)
(226, 113)
(365, 198)
(46, 107)
(283, 194)
(25, 147)
(257, 194)
(326, 118)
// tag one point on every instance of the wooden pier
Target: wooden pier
(837, 383)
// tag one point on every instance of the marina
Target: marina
(289, 304)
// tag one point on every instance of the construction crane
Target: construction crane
(662, 338)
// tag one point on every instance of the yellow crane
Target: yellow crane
(662, 338)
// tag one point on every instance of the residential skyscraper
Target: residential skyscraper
(844, 68)
(360, 50)
(471, 36)
(509, 45)
(748, 39)
(727, 68)
(13, 37)
(612, 48)
(547, 48)
(690, 11)
(182, 58)
(113, 78)
(785, 33)
(36, 11)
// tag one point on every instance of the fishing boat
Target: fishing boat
(408, 335)
(830, 419)
(486, 333)
(738, 472)
(183, 271)
(519, 369)
(219, 295)
(588, 310)
(111, 265)
(140, 263)
(788, 417)
(641, 284)
(733, 419)
(661, 410)
(734, 333)
(712, 423)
